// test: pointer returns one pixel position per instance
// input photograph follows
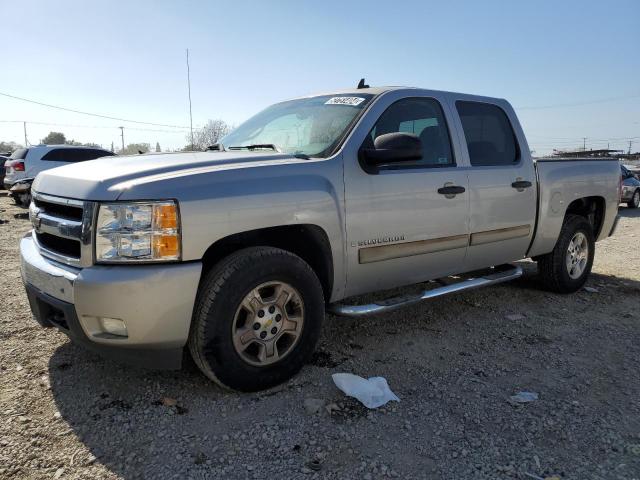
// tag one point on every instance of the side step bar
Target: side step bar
(501, 274)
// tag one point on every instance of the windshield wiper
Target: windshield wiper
(256, 146)
(217, 147)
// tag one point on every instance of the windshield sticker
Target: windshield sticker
(352, 101)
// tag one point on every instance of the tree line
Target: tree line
(203, 137)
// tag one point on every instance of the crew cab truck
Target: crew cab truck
(235, 253)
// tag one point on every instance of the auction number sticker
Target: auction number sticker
(352, 101)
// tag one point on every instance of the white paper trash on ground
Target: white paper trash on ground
(373, 392)
(524, 397)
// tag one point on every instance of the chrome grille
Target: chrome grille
(62, 228)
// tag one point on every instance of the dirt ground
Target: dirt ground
(454, 363)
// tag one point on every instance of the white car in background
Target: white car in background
(25, 163)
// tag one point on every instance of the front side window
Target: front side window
(311, 126)
(424, 118)
(490, 138)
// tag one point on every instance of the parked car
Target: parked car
(630, 188)
(235, 253)
(2, 168)
(635, 169)
(25, 163)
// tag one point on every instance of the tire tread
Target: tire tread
(211, 288)
(551, 265)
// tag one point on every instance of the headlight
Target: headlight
(138, 232)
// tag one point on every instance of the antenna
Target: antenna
(361, 84)
(189, 88)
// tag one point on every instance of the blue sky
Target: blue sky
(127, 59)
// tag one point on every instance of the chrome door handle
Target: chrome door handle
(521, 184)
(451, 191)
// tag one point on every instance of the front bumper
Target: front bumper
(155, 302)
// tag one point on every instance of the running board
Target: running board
(500, 274)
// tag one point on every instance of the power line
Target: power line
(538, 139)
(89, 113)
(96, 126)
(571, 139)
(577, 104)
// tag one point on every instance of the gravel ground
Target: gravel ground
(454, 363)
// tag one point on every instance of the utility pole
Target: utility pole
(122, 135)
(189, 89)
(584, 144)
(630, 142)
(26, 143)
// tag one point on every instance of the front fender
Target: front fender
(216, 205)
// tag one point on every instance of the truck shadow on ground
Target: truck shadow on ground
(145, 424)
(629, 212)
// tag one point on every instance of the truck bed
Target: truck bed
(563, 180)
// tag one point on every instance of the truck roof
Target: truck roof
(383, 89)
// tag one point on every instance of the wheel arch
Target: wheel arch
(309, 242)
(592, 208)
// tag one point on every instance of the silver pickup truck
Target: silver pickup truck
(236, 252)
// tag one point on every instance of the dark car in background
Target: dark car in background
(2, 170)
(630, 188)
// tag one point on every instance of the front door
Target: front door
(402, 225)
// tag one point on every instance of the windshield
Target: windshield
(308, 126)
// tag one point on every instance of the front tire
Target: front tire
(566, 268)
(635, 200)
(257, 319)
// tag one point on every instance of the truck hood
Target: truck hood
(106, 178)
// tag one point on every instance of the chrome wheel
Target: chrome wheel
(577, 255)
(268, 323)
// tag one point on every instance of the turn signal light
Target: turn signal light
(166, 246)
(165, 217)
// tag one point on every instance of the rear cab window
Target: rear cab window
(73, 155)
(489, 135)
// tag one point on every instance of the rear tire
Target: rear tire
(635, 200)
(257, 319)
(566, 268)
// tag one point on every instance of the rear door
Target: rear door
(401, 226)
(502, 184)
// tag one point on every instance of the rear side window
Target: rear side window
(73, 155)
(19, 154)
(489, 135)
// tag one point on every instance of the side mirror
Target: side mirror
(394, 147)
